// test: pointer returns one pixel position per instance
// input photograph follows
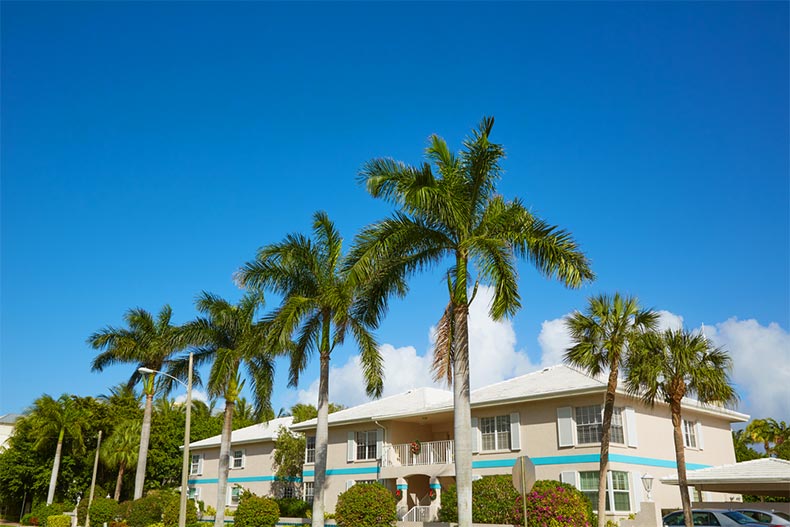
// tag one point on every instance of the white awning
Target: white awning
(761, 477)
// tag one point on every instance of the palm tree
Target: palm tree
(456, 214)
(671, 365)
(229, 336)
(767, 431)
(244, 413)
(57, 418)
(602, 337)
(320, 305)
(146, 342)
(121, 450)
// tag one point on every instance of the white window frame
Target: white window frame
(231, 488)
(196, 465)
(596, 411)
(610, 490)
(498, 430)
(193, 493)
(233, 458)
(690, 434)
(308, 458)
(308, 492)
(366, 443)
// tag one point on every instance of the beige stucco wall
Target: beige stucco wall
(255, 476)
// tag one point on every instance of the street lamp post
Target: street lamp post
(182, 511)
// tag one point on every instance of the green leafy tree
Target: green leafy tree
(769, 433)
(146, 342)
(304, 412)
(602, 337)
(57, 418)
(230, 337)
(671, 365)
(243, 413)
(741, 442)
(120, 450)
(457, 215)
(366, 506)
(320, 305)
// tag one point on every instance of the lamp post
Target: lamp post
(182, 511)
(647, 482)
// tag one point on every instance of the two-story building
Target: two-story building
(406, 441)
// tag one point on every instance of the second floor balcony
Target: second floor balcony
(428, 453)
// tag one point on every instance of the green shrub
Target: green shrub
(292, 507)
(103, 510)
(123, 509)
(82, 511)
(146, 511)
(157, 524)
(41, 513)
(172, 508)
(59, 520)
(254, 511)
(121, 523)
(28, 518)
(366, 506)
(494, 500)
(553, 503)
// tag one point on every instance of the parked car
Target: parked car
(776, 519)
(712, 518)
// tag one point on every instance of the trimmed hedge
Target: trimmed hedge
(41, 513)
(369, 505)
(172, 508)
(292, 507)
(102, 510)
(255, 511)
(147, 510)
(59, 520)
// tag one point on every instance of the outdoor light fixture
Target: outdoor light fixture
(182, 511)
(647, 482)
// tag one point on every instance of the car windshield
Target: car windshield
(738, 517)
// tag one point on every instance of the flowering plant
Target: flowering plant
(415, 447)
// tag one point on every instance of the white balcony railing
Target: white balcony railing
(419, 513)
(431, 453)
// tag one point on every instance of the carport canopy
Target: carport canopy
(761, 477)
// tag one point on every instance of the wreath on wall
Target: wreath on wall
(432, 494)
(398, 494)
(415, 447)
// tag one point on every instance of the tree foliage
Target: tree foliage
(369, 505)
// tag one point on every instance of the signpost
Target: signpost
(523, 480)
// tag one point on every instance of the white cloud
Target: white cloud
(669, 320)
(197, 395)
(553, 339)
(761, 364)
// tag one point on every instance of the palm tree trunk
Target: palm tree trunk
(462, 415)
(606, 434)
(680, 456)
(224, 464)
(119, 481)
(321, 440)
(142, 456)
(53, 480)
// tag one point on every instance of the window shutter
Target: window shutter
(571, 478)
(351, 451)
(700, 442)
(636, 491)
(630, 427)
(515, 431)
(379, 442)
(565, 426)
(349, 483)
(475, 438)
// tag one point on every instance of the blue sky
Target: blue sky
(148, 150)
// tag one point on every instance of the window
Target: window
(366, 445)
(237, 459)
(234, 494)
(193, 493)
(309, 491)
(689, 434)
(365, 481)
(309, 453)
(288, 491)
(196, 465)
(495, 432)
(589, 425)
(617, 489)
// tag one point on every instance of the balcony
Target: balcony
(431, 453)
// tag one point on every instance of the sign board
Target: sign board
(523, 475)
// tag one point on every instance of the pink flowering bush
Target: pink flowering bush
(554, 504)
